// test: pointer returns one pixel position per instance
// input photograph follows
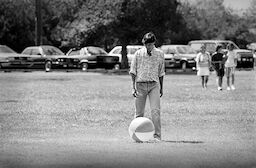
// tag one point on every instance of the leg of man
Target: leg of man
(154, 99)
(140, 100)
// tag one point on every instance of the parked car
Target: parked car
(49, 57)
(252, 47)
(245, 59)
(179, 56)
(94, 57)
(131, 49)
(5, 53)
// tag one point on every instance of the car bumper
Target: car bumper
(177, 64)
(245, 63)
(65, 65)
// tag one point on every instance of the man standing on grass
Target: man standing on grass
(147, 72)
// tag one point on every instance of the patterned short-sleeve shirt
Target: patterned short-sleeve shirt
(148, 68)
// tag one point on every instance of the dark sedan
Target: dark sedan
(94, 57)
(48, 57)
(5, 53)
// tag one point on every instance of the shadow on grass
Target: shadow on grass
(177, 142)
(185, 142)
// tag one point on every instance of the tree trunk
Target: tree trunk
(124, 62)
(38, 27)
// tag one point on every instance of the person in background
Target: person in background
(147, 72)
(230, 66)
(203, 64)
(218, 61)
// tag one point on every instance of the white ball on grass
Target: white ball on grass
(141, 129)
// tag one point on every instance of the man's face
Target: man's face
(149, 46)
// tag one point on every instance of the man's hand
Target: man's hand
(161, 92)
(134, 92)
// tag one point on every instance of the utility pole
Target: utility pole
(38, 26)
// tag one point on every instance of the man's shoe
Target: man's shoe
(155, 140)
(219, 88)
(228, 88)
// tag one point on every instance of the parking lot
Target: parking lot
(80, 119)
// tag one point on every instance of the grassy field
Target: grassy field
(78, 119)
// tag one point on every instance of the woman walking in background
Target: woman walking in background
(203, 62)
(230, 66)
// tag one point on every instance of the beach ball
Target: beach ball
(141, 129)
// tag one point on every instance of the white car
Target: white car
(179, 56)
(131, 49)
(252, 47)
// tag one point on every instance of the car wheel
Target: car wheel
(84, 66)
(184, 66)
(117, 67)
(48, 66)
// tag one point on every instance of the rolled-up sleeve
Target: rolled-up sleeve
(161, 66)
(133, 68)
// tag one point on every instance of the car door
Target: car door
(38, 58)
(17, 61)
(92, 59)
(169, 57)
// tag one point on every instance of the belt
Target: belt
(147, 82)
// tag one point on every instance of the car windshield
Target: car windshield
(225, 44)
(75, 52)
(52, 51)
(117, 51)
(5, 49)
(168, 50)
(132, 50)
(96, 51)
(185, 50)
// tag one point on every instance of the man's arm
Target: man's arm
(161, 74)
(134, 90)
(161, 80)
(133, 72)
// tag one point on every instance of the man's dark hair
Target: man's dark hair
(149, 38)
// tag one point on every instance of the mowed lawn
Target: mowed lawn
(81, 119)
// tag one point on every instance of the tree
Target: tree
(88, 23)
(250, 21)
(135, 18)
(210, 17)
(16, 23)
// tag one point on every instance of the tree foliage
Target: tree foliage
(106, 23)
(135, 18)
(16, 23)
